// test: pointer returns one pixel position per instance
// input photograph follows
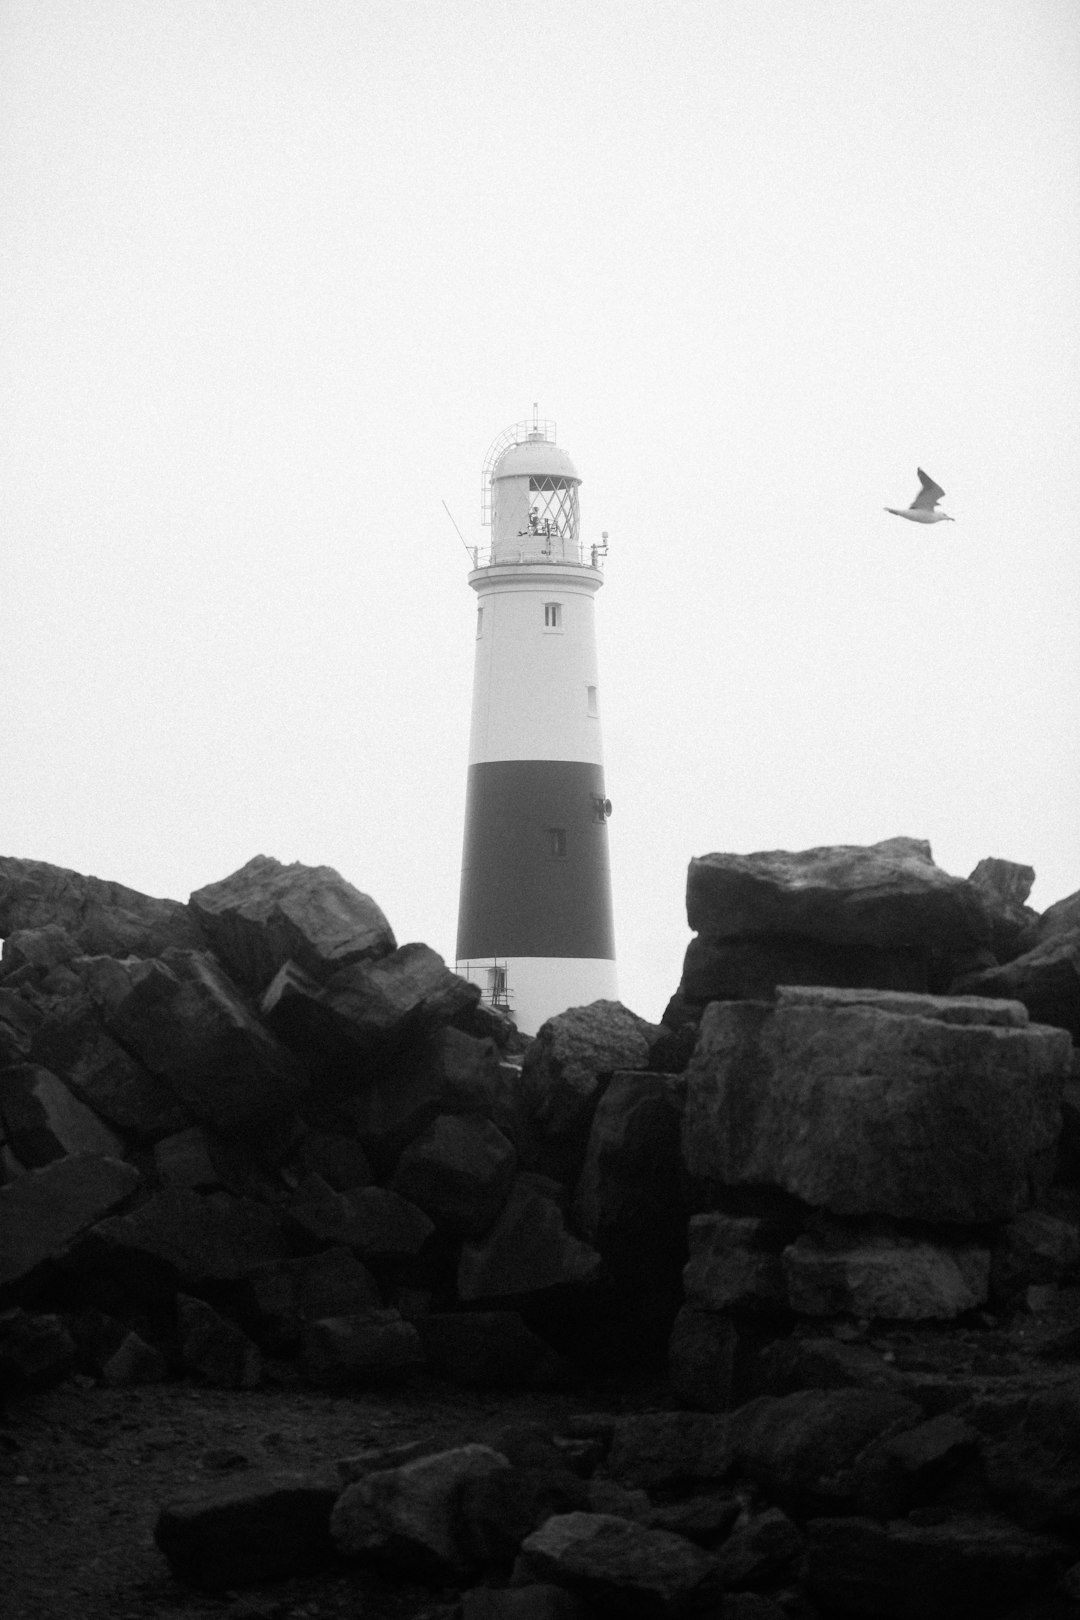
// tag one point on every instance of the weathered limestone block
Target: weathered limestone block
(902, 1571)
(629, 1186)
(527, 1249)
(657, 1451)
(376, 1222)
(105, 919)
(858, 1107)
(215, 1349)
(262, 1525)
(363, 1347)
(188, 1023)
(45, 1210)
(619, 1566)
(411, 1515)
(487, 1349)
(561, 1079)
(751, 969)
(459, 1172)
(281, 1296)
(266, 913)
(1004, 887)
(43, 1120)
(72, 1041)
(802, 1449)
(888, 895)
(447, 1072)
(179, 1235)
(735, 1262)
(367, 1007)
(1045, 978)
(891, 1277)
(701, 1359)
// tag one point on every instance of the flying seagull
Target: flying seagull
(922, 507)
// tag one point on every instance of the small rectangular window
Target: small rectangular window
(552, 615)
(479, 621)
(591, 690)
(557, 841)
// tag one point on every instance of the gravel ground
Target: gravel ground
(85, 1469)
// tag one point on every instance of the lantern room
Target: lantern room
(530, 497)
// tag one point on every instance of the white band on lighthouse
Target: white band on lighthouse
(534, 922)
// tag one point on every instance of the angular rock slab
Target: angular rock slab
(411, 1515)
(971, 1566)
(619, 1566)
(44, 1121)
(73, 1042)
(368, 1007)
(104, 919)
(1045, 978)
(894, 1278)
(885, 895)
(266, 913)
(261, 1526)
(45, 1210)
(459, 1172)
(528, 1249)
(858, 1107)
(187, 1022)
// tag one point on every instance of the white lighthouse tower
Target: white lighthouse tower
(534, 919)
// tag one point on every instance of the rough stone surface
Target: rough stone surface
(178, 1236)
(72, 1041)
(43, 1120)
(1045, 978)
(802, 1449)
(103, 918)
(411, 1515)
(447, 1072)
(621, 1567)
(261, 1526)
(881, 895)
(267, 914)
(1034, 1469)
(701, 1359)
(661, 1450)
(864, 1111)
(459, 1172)
(561, 1079)
(215, 1349)
(487, 1350)
(1004, 887)
(45, 1210)
(735, 1262)
(282, 1296)
(188, 1024)
(900, 1571)
(528, 1249)
(363, 1348)
(895, 1277)
(1035, 1247)
(378, 1223)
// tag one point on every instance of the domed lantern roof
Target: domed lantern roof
(530, 496)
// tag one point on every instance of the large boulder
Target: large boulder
(1046, 979)
(72, 1041)
(864, 1102)
(411, 1514)
(528, 1250)
(1004, 887)
(368, 1008)
(43, 1120)
(104, 919)
(45, 1210)
(262, 1526)
(894, 1276)
(178, 1236)
(619, 1566)
(564, 1071)
(459, 1172)
(879, 915)
(187, 1022)
(267, 914)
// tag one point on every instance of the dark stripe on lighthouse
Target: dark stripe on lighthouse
(524, 890)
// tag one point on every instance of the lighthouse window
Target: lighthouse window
(591, 691)
(557, 841)
(552, 615)
(479, 621)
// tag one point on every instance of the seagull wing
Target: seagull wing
(928, 496)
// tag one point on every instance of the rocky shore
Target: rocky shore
(829, 1207)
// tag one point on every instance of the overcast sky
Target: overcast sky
(274, 274)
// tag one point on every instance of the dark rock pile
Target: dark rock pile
(254, 1126)
(836, 1194)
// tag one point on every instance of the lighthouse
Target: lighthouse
(534, 918)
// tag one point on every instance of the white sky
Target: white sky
(274, 273)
